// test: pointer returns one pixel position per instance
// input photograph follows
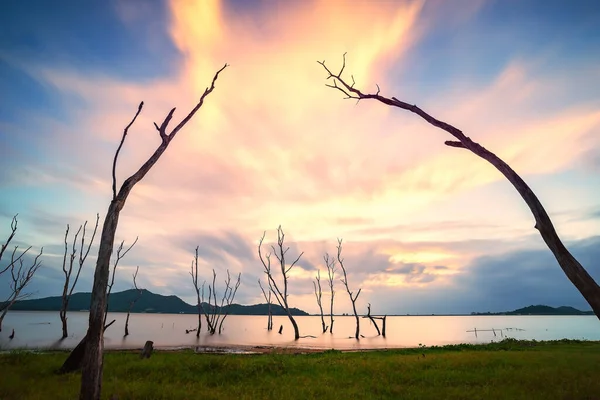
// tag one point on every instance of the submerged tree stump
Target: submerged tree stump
(147, 351)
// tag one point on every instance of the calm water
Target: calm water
(42, 329)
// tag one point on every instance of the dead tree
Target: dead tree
(576, 273)
(215, 314)
(268, 300)
(13, 227)
(73, 362)
(228, 297)
(120, 255)
(344, 280)
(91, 377)
(330, 263)
(319, 296)
(194, 274)
(281, 297)
(135, 299)
(68, 270)
(373, 320)
(20, 278)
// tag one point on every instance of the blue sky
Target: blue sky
(428, 229)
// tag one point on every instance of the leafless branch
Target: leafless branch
(319, 296)
(269, 303)
(135, 299)
(13, 228)
(120, 255)
(574, 271)
(330, 264)
(20, 278)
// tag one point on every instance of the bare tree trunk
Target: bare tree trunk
(281, 297)
(330, 263)
(578, 276)
(91, 377)
(319, 296)
(350, 294)
(268, 300)
(132, 303)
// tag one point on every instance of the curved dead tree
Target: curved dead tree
(344, 280)
(319, 296)
(330, 263)
(20, 277)
(91, 377)
(228, 297)
(269, 303)
(281, 297)
(68, 269)
(120, 255)
(576, 273)
(135, 299)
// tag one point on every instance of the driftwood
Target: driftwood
(147, 351)
(75, 360)
(574, 271)
(91, 377)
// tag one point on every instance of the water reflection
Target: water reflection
(42, 329)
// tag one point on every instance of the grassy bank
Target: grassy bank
(506, 370)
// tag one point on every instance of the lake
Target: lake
(42, 329)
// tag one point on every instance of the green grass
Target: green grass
(507, 370)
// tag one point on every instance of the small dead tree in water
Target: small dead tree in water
(112, 280)
(268, 300)
(330, 263)
(319, 296)
(373, 320)
(20, 278)
(352, 296)
(215, 314)
(91, 377)
(574, 271)
(68, 269)
(135, 299)
(281, 297)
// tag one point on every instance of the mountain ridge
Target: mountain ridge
(541, 309)
(148, 302)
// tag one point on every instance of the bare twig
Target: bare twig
(330, 263)
(120, 255)
(135, 299)
(269, 303)
(319, 296)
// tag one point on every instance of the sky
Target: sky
(426, 228)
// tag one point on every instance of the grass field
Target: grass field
(507, 370)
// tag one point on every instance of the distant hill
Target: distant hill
(148, 303)
(541, 310)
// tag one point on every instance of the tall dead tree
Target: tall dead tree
(194, 274)
(228, 297)
(68, 269)
(138, 294)
(281, 297)
(120, 255)
(576, 273)
(268, 300)
(91, 377)
(319, 296)
(344, 280)
(330, 263)
(20, 278)
(374, 322)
